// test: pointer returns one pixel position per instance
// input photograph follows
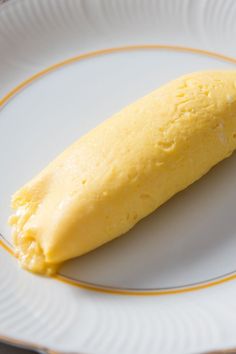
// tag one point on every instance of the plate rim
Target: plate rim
(36, 346)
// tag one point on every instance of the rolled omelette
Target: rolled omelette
(124, 169)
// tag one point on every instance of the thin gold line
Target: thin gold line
(6, 248)
(107, 290)
(109, 51)
(22, 85)
(144, 293)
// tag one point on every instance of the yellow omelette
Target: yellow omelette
(124, 169)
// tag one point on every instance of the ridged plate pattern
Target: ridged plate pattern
(35, 34)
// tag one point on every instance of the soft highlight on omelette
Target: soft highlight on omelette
(124, 169)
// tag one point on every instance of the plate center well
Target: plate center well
(191, 238)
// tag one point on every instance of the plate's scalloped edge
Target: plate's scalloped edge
(45, 350)
(18, 343)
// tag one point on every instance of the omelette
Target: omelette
(124, 169)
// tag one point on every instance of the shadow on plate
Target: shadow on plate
(190, 239)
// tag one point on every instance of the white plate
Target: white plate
(168, 286)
